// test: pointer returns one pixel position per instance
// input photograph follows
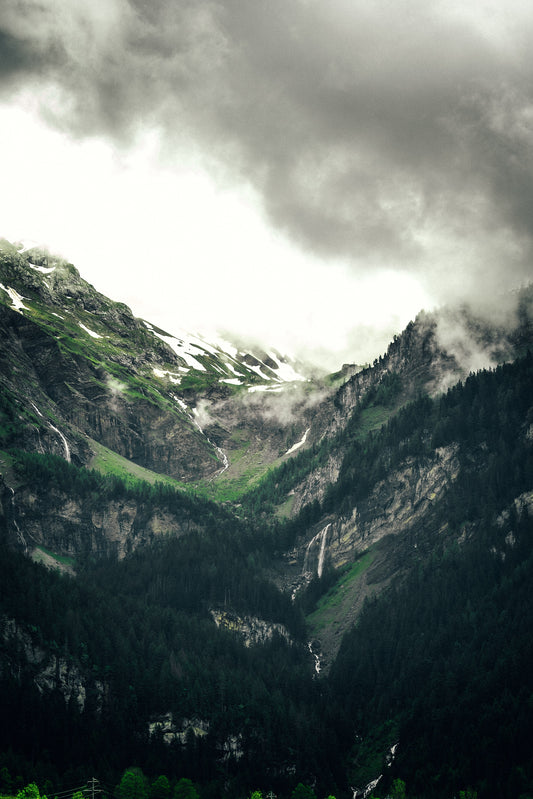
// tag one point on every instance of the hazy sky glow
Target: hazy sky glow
(307, 172)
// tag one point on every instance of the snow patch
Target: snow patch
(285, 371)
(45, 270)
(257, 369)
(234, 381)
(172, 376)
(299, 443)
(15, 297)
(182, 404)
(90, 332)
(184, 350)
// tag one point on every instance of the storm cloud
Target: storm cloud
(384, 134)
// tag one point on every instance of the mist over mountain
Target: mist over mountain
(221, 564)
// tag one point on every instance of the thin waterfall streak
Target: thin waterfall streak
(65, 442)
(322, 536)
(15, 524)
(220, 452)
(322, 554)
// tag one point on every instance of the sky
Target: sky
(306, 174)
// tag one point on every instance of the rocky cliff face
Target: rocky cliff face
(430, 355)
(384, 534)
(252, 630)
(48, 672)
(35, 517)
(60, 390)
(395, 507)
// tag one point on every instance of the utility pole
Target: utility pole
(93, 788)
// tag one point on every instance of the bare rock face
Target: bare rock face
(253, 630)
(394, 507)
(50, 672)
(171, 730)
(316, 483)
(80, 526)
(397, 504)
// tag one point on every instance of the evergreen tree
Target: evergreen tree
(132, 785)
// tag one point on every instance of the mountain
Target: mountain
(84, 360)
(244, 572)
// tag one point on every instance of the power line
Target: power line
(66, 792)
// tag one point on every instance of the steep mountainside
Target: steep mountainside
(82, 368)
(206, 552)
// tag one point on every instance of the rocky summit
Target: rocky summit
(246, 572)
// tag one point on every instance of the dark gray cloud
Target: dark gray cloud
(396, 133)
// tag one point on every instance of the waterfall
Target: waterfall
(321, 556)
(222, 455)
(365, 792)
(220, 452)
(307, 551)
(322, 537)
(316, 657)
(17, 528)
(64, 440)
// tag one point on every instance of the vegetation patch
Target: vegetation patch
(284, 510)
(108, 462)
(327, 607)
(232, 485)
(372, 418)
(63, 563)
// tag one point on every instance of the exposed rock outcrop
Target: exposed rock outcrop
(80, 526)
(253, 630)
(50, 672)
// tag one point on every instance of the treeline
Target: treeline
(134, 784)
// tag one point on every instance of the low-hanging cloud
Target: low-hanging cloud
(382, 134)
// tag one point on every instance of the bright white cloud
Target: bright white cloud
(184, 251)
